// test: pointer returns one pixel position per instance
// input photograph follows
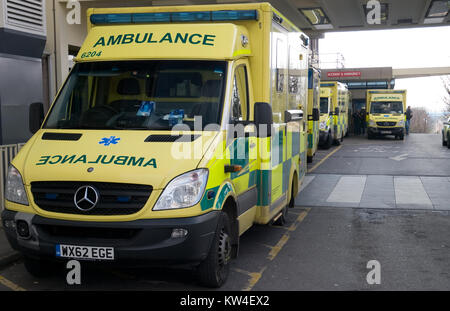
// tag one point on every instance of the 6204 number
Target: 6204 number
(91, 54)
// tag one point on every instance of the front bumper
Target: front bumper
(386, 130)
(136, 243)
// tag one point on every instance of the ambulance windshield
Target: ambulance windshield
(386, 107)
(153, 95)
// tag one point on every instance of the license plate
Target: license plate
(385, 132)
(85, 252)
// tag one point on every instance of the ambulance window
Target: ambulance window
(240, 95)
(153, 95)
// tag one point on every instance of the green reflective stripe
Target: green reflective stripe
(252, 178)
(222, 195)
(295, 143)
(264, 184)
(206, 203)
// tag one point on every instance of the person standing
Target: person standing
(409, 116)
(363, 121)
(356, 122)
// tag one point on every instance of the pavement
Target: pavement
(7, 254)
(376, 191)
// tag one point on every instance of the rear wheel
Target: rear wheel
(448, 141)
(214, 270)
(281, 220)
(444, 143)
(329, 141)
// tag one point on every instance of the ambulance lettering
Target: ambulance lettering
(140, 38)
(100, 159)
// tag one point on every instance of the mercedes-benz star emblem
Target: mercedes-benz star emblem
(86, 198)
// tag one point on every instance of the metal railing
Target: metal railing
(7, 153)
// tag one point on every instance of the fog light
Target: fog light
(22, 229)
(179, 233)
(9, 224)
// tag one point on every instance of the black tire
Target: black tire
(402, 137)
(444, 143)
(448, 141)
(329, 142)
(214, 270)
(40, 268)
(342, 138)
(281, 220)
(337, 142)
(309, 159)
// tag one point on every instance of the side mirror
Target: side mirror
(35, 117)
(316, 114)
(293, 115)
(263, 119)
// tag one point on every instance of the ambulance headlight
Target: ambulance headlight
(183, 191)
(323, 125)
(401, 123)
(15, 190)
(372, 123)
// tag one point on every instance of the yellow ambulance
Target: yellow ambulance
(334, 108)
(446, 133)
(177, 129)
(313, 111)
(386, 111)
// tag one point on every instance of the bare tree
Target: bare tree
(446, 82)
(421, 121)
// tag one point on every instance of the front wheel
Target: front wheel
(444, 143)
(214, 270)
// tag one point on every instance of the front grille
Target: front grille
(114, 198)
(386, 123)
(171, 138)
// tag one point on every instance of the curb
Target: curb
(9, 259)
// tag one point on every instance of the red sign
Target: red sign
(343, 74)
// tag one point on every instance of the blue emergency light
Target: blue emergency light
(135, 18)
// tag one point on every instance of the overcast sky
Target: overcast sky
(402, 48)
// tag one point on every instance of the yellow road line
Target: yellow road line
(274, 251)
(324, 159)
(277, 248)
(254, 277)
(10, 284)
(300, 218)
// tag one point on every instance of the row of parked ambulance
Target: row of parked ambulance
(135, 162)
(385, 113)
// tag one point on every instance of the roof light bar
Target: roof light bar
(232, 15)
(191, 16)
(150, 17)
(110, 18)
